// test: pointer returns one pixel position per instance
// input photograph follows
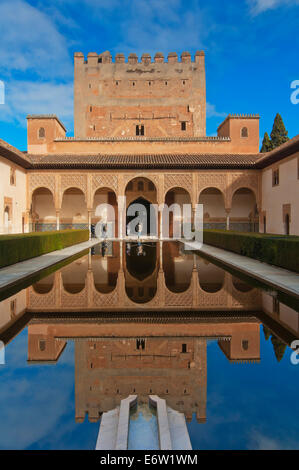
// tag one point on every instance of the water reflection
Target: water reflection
(141, 318)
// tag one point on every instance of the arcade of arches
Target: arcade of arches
(230, 200)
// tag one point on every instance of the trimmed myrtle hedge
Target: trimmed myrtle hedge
(20, 247)
(279, 250)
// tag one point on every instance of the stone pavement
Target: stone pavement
(278, 278)
(11, 275)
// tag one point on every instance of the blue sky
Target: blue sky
(251, 51)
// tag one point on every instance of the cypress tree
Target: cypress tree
(279, 348)
(267, 144)
(279, 134)
(267, 332)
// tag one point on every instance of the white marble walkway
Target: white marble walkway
(278, 278)
(11, 275)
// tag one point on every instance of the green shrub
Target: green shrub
(280, 250)
(20, 247)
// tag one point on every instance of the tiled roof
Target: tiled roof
(164, 161)
(285, 150)
(14, 155)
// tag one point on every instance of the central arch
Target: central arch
(151, 226)
(142, 191)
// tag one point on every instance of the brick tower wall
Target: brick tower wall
(167, 98)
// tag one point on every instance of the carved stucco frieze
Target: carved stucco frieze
(180, 180)
(41, 180)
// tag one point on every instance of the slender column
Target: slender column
(193, 217)
(121, 255)
(227, 218)
(122, 217)
(27, 224)
(161, 222)
(89, 221)
(57, 219)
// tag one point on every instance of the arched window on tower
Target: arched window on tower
(41, 133)
(244, 132)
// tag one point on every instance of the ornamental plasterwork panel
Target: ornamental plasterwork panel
(209, 180)
(246, 299)
(105, 300)
(184, 299)
(207, 299)
(242, 180)
(181, 180)
(41, 180)
(152, 177)
(104, 181)
(42, 301)
(74, 181)
(74, 300)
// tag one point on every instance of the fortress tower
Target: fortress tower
(147, 98)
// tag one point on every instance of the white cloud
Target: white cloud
(259, 6)
(150, 25)
(162, 26)
(212, 112)
(27, 97)
(259, 441)
(31, 42)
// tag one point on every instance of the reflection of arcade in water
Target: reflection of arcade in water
(157, 275)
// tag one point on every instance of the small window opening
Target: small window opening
(140, 344)
(184, 348)
(12, 176)
(245, 344)
(244, 132)
(183, 126)
(276, 177)
(140, 130)
(42, 345)
(42, 133)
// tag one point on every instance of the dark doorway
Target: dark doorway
(150, 229)
(287, 224)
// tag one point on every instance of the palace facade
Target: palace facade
(140, 133)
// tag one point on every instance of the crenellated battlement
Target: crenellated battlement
(106, 58)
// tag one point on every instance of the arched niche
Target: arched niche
(214, 215)
(211, 277)
(73, 209)
(173, 224)
(243, 215)
(43, 209)
(74, 275)
(177, 267)
(105, 211)
(105, 264)
(45, 285)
